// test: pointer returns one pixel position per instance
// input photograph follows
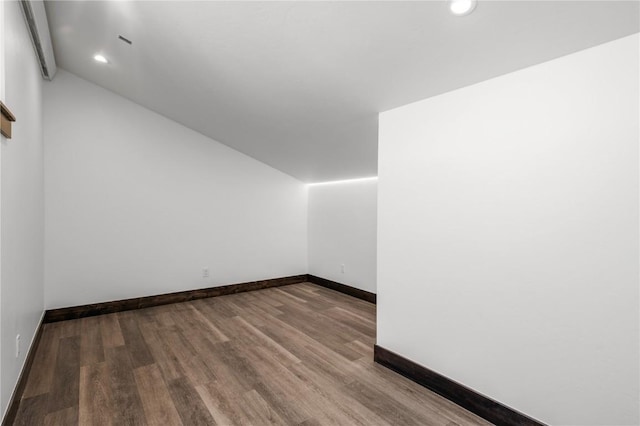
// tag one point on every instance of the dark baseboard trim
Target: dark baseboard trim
(75, 312)
(14, 402)
(485, 407)
(343, 288)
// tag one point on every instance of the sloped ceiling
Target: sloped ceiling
(298, 85)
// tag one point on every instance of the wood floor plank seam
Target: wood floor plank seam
(300, 354)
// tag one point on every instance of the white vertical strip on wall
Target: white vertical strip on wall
(22, 199)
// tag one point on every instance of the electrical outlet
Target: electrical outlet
(342, 268)
(205, 272)
(17, 345)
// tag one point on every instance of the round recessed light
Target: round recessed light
(101, 59)
(462, 7)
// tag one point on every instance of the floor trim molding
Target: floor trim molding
(483, 406)
(75, 312)
(343, 288)
(16, 397)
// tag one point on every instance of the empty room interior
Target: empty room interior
(320, 212)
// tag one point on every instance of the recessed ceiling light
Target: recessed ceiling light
(462, 7)
(100, 58)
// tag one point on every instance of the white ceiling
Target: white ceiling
(298, 85)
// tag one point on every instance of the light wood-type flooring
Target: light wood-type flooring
(297, 355)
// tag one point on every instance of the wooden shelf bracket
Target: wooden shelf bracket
(5, 121)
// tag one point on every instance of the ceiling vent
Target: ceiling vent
(36, 17)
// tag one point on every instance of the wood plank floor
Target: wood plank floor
(296, 355)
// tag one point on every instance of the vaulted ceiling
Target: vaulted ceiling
(299, 85)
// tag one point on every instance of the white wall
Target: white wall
(342, 231)
(137, 204)
(508, 236)
(22, 210)
(2, 96)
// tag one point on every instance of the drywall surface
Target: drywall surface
(342, 231)
(508, 236)
(2, 96)
(2, 42)
(22, 197)
(138, 205)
